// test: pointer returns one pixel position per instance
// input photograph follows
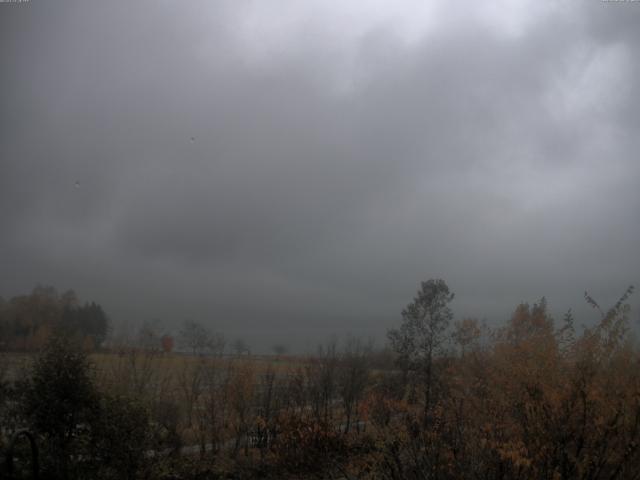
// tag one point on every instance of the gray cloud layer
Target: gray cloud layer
(337, 160)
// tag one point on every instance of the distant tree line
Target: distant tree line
(193, 338)
(27, 322)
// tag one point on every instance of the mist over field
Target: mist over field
(284, 171)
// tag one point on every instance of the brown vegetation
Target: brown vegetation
(529, 400)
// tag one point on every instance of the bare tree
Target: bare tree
(148, 336)
(190, 378)
(240, 347)
(268, 404)
(352, 378)
(215, 411)
(199, 339)
(466, 334)
(241, 393)
(321, 375)
(422, 334)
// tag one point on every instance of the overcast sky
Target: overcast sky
(286, 170)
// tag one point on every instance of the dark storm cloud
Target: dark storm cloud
(280, 176)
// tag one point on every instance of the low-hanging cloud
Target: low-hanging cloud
(289, 176)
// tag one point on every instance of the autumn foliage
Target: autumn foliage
(535, 401)
(448, 399)
(28, 322)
